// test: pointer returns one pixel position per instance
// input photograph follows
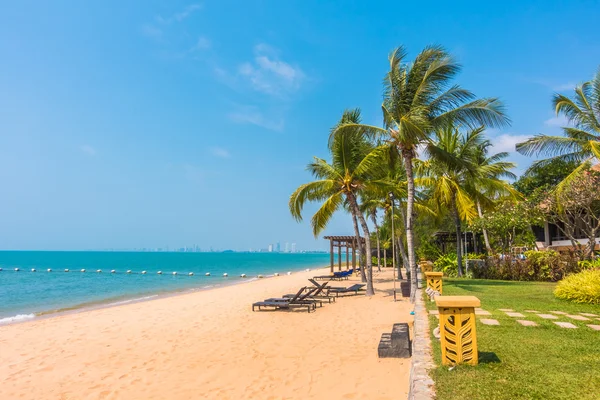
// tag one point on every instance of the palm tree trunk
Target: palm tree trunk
(412, 266)
(403, 255)
(457, 222)
(365, 228)
(485, 235)
(401, 242)
(385, 257)
(374, 218)
(363, 277)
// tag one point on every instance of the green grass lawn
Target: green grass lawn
(519, 362)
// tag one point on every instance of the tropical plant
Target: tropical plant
(580, 142)
(418, 99)
(458, 176)
(355, 167)
(583, 287)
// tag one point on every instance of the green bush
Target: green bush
(583, 287)
(537, 266)
(448, 264)
(588, 264)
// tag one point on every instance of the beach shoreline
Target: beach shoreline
(132, 299)
(209, 344)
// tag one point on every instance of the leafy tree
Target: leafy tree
(419, 99)
(544, 177)
(580, 142)
(355, 167)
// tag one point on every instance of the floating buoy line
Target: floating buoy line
(130, 272)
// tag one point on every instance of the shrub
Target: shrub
(448, 264)
(538, 266)
(583, 287)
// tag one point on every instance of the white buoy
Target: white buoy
(143, 272)
(191, 274)
(98, 270)
(17, 269)
(307, 269)
(66, 269)
(49, 269)
(174, 273)
(32, 269)
(207, 274)
(225, 275)
(276, 274)
(128, 271)
(83, 270)
(242, 275)
(289, 272)
(112, 271)
(159, 272)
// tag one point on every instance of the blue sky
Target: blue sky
(155, 123)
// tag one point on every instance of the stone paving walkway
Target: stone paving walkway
(525, 322)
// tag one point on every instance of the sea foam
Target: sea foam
(19, 317)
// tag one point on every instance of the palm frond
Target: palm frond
(323, 215)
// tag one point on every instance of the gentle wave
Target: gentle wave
(19, 317)
(118, 303)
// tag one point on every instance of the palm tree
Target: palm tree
(488, 181)
(369, 207)
(581, 141)
(460, 176)
(355, 167)
(418, 99)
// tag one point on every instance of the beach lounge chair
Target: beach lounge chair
(290, 303)
(317, 294)
(354, 288)
(339, 275)
(308, 297)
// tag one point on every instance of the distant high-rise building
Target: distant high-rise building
(270, 248)
(287, 247)
(278, 249)
(293, 247)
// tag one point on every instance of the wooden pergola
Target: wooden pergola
(349, 242)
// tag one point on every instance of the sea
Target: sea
(53, 282)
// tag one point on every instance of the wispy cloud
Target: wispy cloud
(87, 149)
(268, 74)
(220, 152)
(179, 16)
(203, 43)
(507, 142)
(564, 87)
(251, 115)
(557, 122)
(152, 32)
(194, 173)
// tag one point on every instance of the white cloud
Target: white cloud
(564, 87)
(558, 121)
(152, 32)
(507, 142)
(270, 75)
(220, 152)
(251, 115)
(203, 43)
(180, 16)
(87, 149)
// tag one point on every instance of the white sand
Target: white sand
(210, 345)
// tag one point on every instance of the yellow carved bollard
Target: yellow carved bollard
(458, 336)
(434, 281)
(426, 266)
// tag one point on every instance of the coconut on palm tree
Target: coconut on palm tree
(355, 167)
(419, 99)
(580, 142)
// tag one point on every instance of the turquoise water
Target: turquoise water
(26, 294)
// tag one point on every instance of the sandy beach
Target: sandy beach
(210, 345)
